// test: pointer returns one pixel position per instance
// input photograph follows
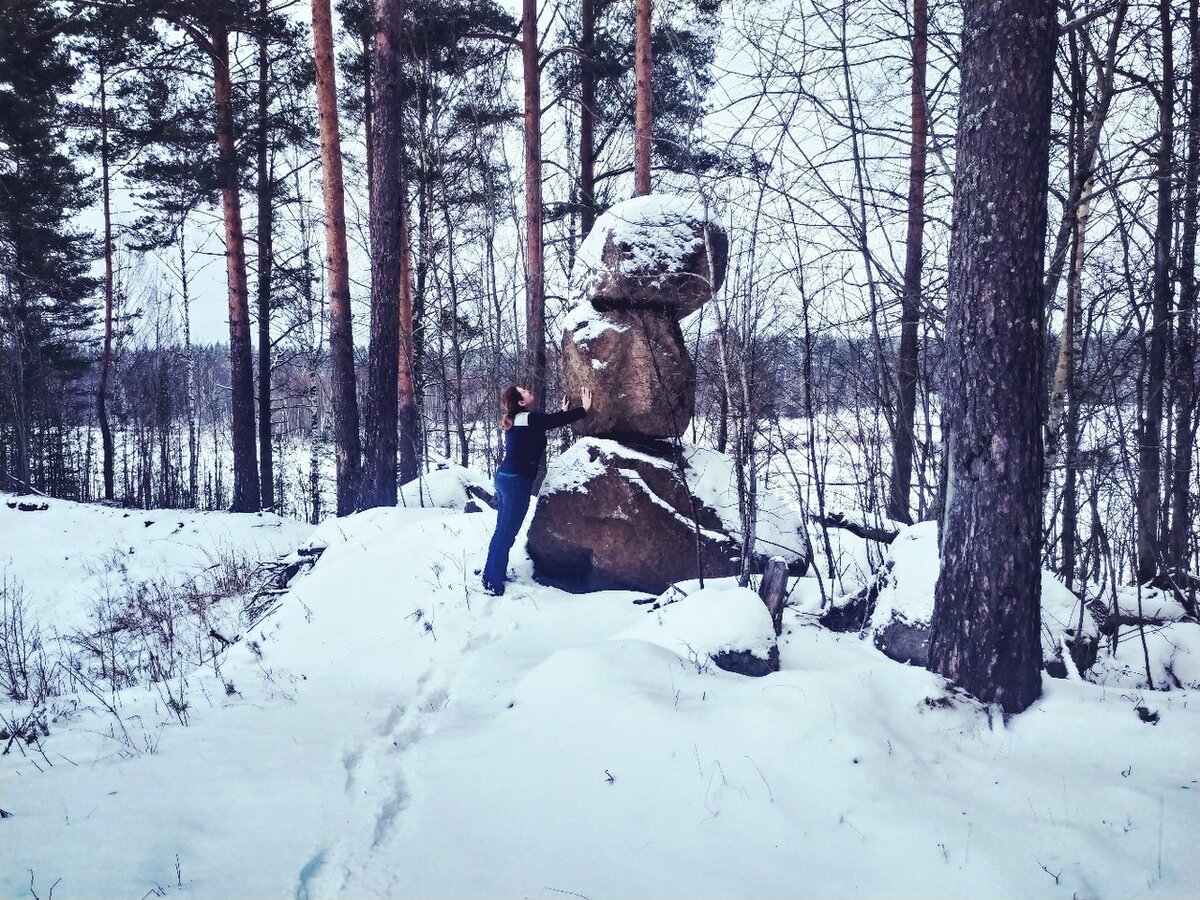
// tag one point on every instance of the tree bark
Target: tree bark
(587, 117)
(409, 411)
(241, 359)
(643, 68)
(190, 371)
(1182, 523)
(910, 315)
(347, 450)
(986, 621)
(266, 213)
(378, 482)
(1149, 488)
(535, 288)
(106, 438)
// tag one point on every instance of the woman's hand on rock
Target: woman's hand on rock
(585, 396)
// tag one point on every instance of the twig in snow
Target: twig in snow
(1048, 872)
(770, 795)
(561, 891)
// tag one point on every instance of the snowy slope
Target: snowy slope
(394, 732)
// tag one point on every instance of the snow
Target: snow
(712, 480)
(711, 621)
(586, 323)
(448, 486)
(393, 731)
(72, 554)
(908, 594)
(656, 234)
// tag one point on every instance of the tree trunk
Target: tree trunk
(347, 451)
(265, 261)
(535, 288)
(1149, 489)
(190, 372)
(409, 411)
(241, 359)
(643, 68)
(587, 117)
(378, 483)
(106, 352)
(987, 618)
(910, 316)
(1182, 524)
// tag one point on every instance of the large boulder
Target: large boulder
(659, 251)
(634, 361)
(613, 516)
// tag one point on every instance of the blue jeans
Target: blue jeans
(512, 502)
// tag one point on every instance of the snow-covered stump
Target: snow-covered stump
(725, 626)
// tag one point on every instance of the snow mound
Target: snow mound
(1173, 651)
(908, 595)
(448, 486)
(711, 622)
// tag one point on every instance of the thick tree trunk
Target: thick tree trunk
(378, 483)
(241, 359)
(587, 117)
(106, 438)
(347, 450)
(910, 303)
(266, 213)
(1182, 523)
(535, 288)
(643, 69)
(1150, 447)
(986, 621)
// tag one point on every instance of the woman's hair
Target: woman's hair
(510, 405)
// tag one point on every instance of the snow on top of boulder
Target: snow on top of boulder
(714, 620)
(586, 323)
(908, 592)
(657, 232)
(712, 481)
(586, 459)
(1149, 603)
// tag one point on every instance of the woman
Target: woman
(524, 449)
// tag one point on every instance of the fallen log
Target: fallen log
(859, 529)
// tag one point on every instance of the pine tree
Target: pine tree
(985, 631)
(46, 288)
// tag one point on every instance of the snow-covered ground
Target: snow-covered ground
(392, 731)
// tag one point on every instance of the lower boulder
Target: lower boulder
(614, 516)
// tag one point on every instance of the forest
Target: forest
(604, 448)
(398, 192)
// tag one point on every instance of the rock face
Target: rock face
(654, 251)
(610, 516)
(613, 516)
(642, 380)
